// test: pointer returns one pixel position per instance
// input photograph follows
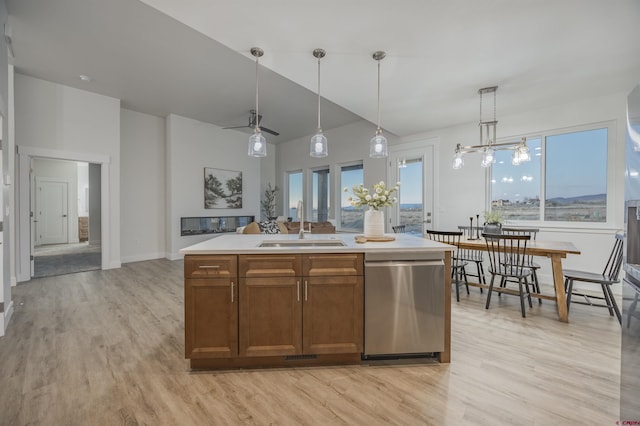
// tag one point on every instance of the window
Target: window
(565, 181)
(320, 195)
(410, 194)
(294, 186)
(351, 218)
(515, 190)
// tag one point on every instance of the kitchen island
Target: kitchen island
(276, 300)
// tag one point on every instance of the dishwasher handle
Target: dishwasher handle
(400, 263)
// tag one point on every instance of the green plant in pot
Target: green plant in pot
(268, 202)
(493, 222)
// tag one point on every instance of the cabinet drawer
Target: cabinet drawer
(277, 265)
(319, 265)
(197, 266)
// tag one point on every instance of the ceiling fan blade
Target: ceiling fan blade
(273, 132)
(235, 127)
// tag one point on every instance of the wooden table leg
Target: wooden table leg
(445, 356)
(558, 283)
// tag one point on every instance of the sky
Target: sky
(576, 165)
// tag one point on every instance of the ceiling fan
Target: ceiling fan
(253, 120)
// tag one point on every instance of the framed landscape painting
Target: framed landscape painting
(222, 189)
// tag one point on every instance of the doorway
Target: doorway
(65, 215)
(413, 166)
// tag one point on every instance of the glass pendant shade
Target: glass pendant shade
(488, 158)
(525, 155)
(515, 160)
(257, 142)
(378, 146)
(318, 146)
(257, 145)
(458, 161)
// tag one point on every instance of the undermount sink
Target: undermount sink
(302, 243)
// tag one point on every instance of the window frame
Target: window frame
(287, 199)
(339, 191)
(611, 197)
(310, 189)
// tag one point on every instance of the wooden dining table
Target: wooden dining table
(554, 250)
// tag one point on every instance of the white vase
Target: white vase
(374, 223)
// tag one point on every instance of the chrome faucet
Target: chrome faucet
(300, 211)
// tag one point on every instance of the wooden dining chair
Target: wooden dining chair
(507, 259)
(458, 272)
(609, 276)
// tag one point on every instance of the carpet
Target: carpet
(68, 263)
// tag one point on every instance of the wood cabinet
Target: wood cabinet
(333, 303)
(259, 310)
(270, 305)
(83, 228)
(211, 306)
(301, 304)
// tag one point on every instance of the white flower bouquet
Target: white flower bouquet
(379, 196)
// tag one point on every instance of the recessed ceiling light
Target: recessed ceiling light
(84, 77)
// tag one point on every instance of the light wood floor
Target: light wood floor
(106, 348)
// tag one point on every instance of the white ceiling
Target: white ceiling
(193, 58)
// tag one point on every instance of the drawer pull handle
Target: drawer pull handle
(298, 286)
(231, 291)
(209, 266)
(305, 290)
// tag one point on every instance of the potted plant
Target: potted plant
(493, 222)
(377, 198)
(268, 202)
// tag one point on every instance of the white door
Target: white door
(51, 211)
(412, 166)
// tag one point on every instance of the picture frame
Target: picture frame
(222, 189)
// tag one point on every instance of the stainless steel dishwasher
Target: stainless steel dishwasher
(404, 304)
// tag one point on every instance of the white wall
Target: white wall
(191, 146)
(6, 76)
(462, 192)
(68, 171)
(83, 189)
(348, 143)
(142, 191)
(72, 123)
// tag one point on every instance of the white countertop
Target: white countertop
(248, 244)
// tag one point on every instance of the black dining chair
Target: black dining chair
(470, 255)
(398, 229)
(608, 276)
(458, 272)
(533, 233)
(508, 260)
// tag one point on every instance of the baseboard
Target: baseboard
(143, 257)
(5, 318)
(112, 265)
(174, 256)
(14, 281)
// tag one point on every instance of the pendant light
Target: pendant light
(318, 146)
(257, 142)
(378, 144)
(488, 145)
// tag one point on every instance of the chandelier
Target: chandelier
(488, 144)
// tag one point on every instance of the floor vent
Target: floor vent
(300, 357)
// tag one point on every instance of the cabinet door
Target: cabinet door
(270, 316)
(330, 265)
(211, 318)
(333, 315)
(270, 265)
